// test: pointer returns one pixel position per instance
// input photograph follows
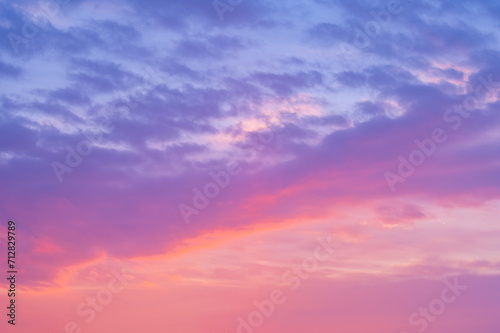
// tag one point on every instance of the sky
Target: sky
(196, 166)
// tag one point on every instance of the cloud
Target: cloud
(267, 68)
(8, 70)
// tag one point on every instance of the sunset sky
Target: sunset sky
(196, 159)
